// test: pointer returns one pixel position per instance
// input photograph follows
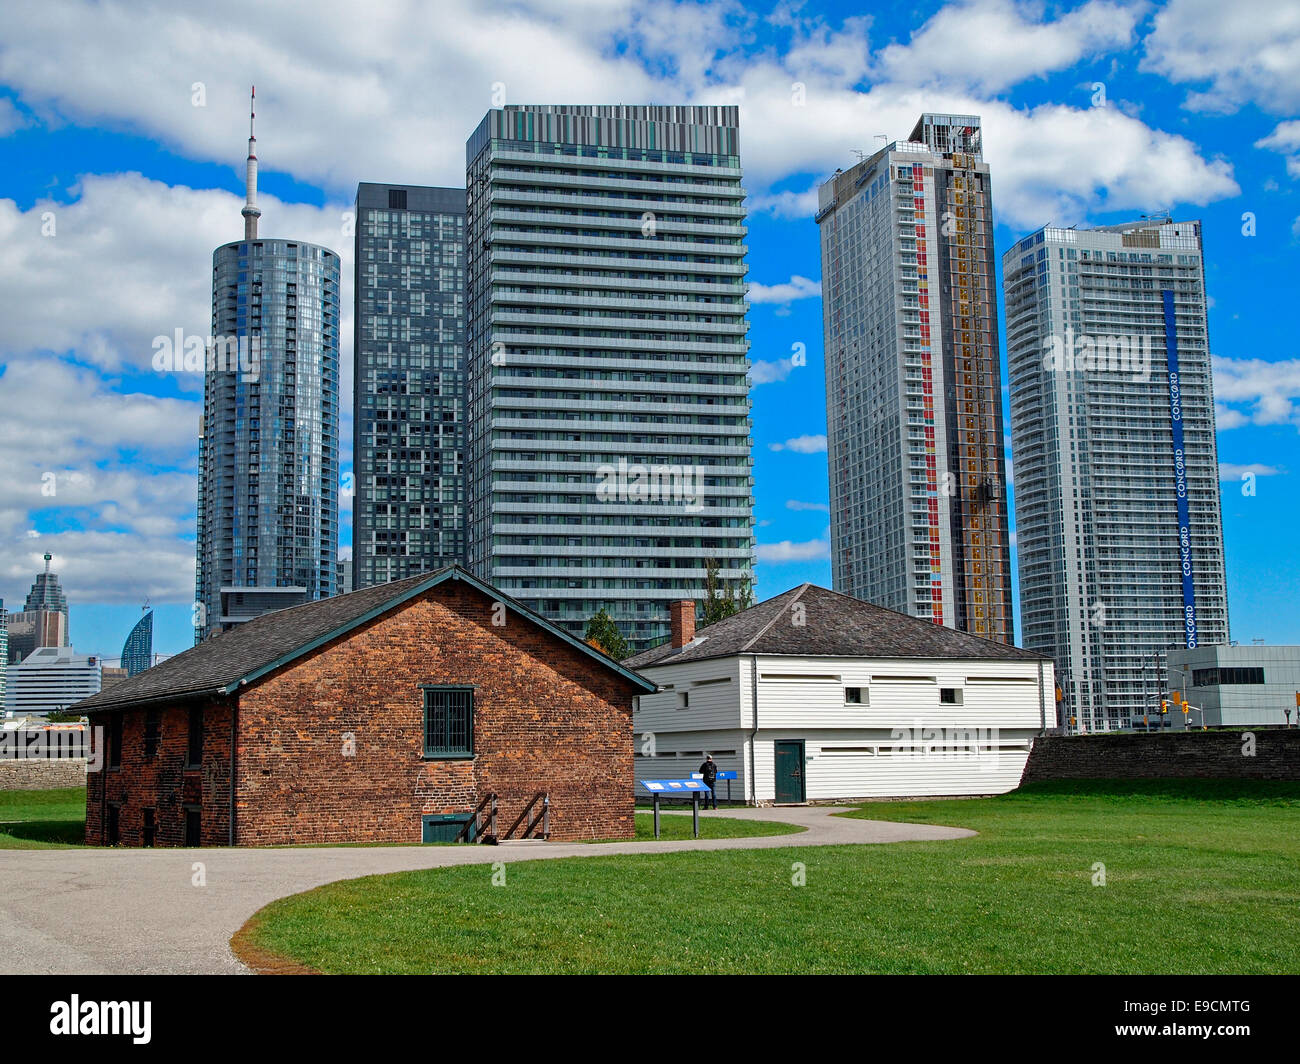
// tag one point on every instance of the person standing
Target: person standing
(709, 770)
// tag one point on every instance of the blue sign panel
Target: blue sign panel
(674, 785)
(1180, 472)
(726, 776)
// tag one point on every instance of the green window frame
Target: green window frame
(448, 722)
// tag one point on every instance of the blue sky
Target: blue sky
(122, 133)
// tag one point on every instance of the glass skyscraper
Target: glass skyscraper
(137, 651)
(269, 457)
(409, 385)
(608, 452)
(1119, 532)
(913, 384)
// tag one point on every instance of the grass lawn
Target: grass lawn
(39, 820)
(1200, 876)
(718, 826)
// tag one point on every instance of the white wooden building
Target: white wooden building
(816, 696)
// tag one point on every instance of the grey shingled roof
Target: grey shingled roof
(217, 666)
(835, 626)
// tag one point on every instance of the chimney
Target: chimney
(682, 619)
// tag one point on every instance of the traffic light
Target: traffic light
(1164, 705)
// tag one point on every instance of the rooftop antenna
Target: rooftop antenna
(250, 211)
(859, 153)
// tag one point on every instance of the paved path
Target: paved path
(138, 911)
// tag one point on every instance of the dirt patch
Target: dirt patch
(262, 961)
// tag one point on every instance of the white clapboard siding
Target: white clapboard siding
(901, 692)
(714, 705)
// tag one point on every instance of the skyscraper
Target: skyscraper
(269, 473)
(408, 511)
(913, 385)
(608, 457)
(46, 593)
(137, 651)
(1119, 532)
(43, 620)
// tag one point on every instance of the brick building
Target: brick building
(368, 717)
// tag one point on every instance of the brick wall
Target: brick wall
(1206, 755)
(546, 718)
(36, 774)
(162, 782)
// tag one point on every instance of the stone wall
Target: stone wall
(1179, 755)
(38, 774)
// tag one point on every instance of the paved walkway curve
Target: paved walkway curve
(118, 911)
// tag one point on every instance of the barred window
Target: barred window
(448, 721)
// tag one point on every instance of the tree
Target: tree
(724, 598)
(603, 634)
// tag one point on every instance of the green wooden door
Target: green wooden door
(789, 772)
(444, 827)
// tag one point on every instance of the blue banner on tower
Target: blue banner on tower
(1180, 472)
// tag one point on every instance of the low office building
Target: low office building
(816, 696)
(386, 715)
(1230, 686)
(49, 680)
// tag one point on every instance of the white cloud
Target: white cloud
(11, 118)
(1049, 165)
(1228, 418)
(1233, 471)
(1245, 52)
(1269, 392)
(768, 372)
(130, 259)
(990, 45)
(785, 292)
(787, 551)
(786, 204)
(795, 504)
(332, 80)
(1285, 140)
(107, 567)
(119, 465)
(801, 444)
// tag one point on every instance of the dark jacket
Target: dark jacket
(710, 772)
